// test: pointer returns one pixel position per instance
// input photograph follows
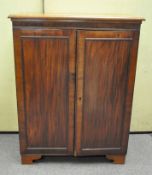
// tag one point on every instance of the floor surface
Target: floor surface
(138, 160)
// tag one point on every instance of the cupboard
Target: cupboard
(74, 80)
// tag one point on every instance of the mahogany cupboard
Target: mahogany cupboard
(74, 80)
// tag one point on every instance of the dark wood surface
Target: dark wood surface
(102, 78)
(93, 22)
(45, 66)
(28, 159)
(117, 159)
(75, 80)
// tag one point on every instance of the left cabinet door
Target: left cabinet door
(45, 81)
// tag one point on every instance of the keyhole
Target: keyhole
(80, 98)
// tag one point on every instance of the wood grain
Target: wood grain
(48, 65)
(103, 59)
(92, 23)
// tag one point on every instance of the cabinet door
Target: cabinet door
(45, 70)
(105, 79)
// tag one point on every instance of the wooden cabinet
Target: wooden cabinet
(74, 80)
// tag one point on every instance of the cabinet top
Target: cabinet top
(67, 16)
(76, 21)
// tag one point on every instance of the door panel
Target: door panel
(47, 77)
(102, 75)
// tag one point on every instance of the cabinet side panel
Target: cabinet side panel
(130, 89)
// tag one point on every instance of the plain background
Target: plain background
(142, 103)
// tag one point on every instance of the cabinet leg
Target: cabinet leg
(117, 159)
(28, 159)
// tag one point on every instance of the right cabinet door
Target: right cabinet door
(105, 78)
